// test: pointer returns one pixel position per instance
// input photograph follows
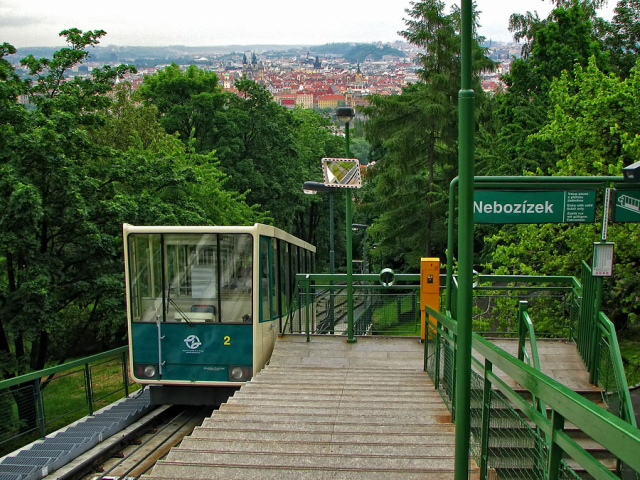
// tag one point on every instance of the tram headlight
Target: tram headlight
(145, 371)
(240, 373)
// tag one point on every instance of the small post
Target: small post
(40, 415)
(522, 308)
(436, 379)
(87, 383)
(555, 452)
(125, 374)
(486, 416)
(307, 288)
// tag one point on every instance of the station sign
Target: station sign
(534, 206)
(626, 206)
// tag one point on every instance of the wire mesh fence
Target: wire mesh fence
(51, 399)
(495, 312)
(374, 312)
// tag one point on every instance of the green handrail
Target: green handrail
(526, 331)
(29, 377)
(619, 437)
(616, 357)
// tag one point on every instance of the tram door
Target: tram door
(268, 294)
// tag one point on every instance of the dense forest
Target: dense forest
(91, 154)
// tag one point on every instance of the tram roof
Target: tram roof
(256, 229)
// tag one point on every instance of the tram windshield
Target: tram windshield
(191, 278)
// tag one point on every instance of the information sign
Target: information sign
(526, 206)
(626, 207)
(602, 259)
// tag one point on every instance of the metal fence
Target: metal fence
(510, 437)
(40, 402)
(320, 306)
(376, 312)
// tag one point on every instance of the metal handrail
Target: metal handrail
(35, 413)
(619, 437)
(29, 377)
(610, 332)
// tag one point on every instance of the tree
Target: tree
(189, 103)
(67, 185)
(594, 127)
(569, 35)
(623, 36)
(417, 133)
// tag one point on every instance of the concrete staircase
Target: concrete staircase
(326, 410)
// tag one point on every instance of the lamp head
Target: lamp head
(345, 114)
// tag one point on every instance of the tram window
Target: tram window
(203, 277)
(285, 286)
(236, 259)
(275, 278)
(145, 272)
(265, 280)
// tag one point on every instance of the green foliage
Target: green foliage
(569, 35)
(594, 128)
(71, 172)
(414, 138)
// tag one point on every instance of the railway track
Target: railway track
(138, 448)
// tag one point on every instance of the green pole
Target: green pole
(350, 337)
(466, 100)
(332, 270)
(594, 359)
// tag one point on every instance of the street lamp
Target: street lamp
(311, 188)
(345, 115)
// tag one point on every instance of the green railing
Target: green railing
(512, 437)
(598, 346)
(526, 332)
(38, 403)
(496, 297)
(320, 306)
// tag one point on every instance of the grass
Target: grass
(64, 399)
(386, 320)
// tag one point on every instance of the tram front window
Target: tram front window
(191, 278)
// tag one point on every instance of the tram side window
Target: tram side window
(265, 297)
(285, 285)
(236, 269)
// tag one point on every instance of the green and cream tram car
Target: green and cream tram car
(205, 305)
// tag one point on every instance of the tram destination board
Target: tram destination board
(534, 206)
(626, 206)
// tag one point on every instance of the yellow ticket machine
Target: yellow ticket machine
(429, 290)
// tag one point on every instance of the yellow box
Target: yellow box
(429, 289)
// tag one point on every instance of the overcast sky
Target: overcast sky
(222, 22)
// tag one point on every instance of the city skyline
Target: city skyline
(204, 23)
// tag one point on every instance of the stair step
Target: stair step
(351, 410)
(290, 473)
(315, 447)
(439, 436)
(330, 461)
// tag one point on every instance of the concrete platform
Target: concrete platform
(326, 409)
(559, 359)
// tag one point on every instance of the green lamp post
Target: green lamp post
(345, 115)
